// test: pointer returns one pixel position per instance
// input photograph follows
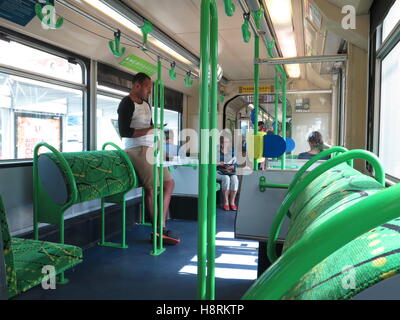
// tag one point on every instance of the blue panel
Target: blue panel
(19, 11)
(290, 144)
(274, 146)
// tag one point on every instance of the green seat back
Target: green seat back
(97, 174)
(360, 264)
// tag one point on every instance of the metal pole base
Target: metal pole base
(157, 252)
(113, 245)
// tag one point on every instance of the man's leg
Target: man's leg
(149, 202)
(169, 186)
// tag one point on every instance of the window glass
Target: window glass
(171, 119)
(34, 111)
(20, 56)
(391, 20)
(389, 148)
(107, 121)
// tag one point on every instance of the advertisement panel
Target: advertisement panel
(32, 129)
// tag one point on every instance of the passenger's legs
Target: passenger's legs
(234, 187)
(144, 170)
(225, 182)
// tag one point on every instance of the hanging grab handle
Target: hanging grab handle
(172, 73)
(246, 34)
(229, 8)
(115, 45)
(47, 14)
(147, 28)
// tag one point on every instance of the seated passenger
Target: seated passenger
(226, 172)
(171, 149)
(261, 127)
(317, 145)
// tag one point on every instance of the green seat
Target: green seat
(360, 264)
(25, 258)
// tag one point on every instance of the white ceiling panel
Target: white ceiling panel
(180, 19)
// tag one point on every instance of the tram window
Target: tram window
(391, 20)
(389, 149)
(107, 117)
(35, 111)
(22, 57)
(107, 120)
(172, 119)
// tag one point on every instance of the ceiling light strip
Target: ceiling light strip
(136, 43)
(307, 59)
(131, 15)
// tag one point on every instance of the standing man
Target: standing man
(136, 129)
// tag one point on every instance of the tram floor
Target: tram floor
(130, 274)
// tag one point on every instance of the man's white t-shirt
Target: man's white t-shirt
(141, 119)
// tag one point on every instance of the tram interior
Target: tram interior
(62, 86)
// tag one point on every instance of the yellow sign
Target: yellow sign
(250, 89)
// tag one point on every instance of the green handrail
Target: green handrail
(161, 155)
(206, 209)
(212, 169)
(73, 193)
(276, 129)
(158, 200)
(279, 70)
(73, 190)
(256, 91)
(299, 187)
(263, 184)
(315, 159)
(320, 243)
(128, 162)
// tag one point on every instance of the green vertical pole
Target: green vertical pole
(284, 107)
(161, 157)
(155, 169)
(256, 91)
(212, 173)
(277, 87)
(204, 149)
(143, 219)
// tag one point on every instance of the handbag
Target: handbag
(223, 170)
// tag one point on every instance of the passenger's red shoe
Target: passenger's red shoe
(168, 239)
(233, 208)
(227, 208)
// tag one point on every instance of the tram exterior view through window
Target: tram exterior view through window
(199, 150)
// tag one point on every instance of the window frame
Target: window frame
(83, 62)
(114, 95)
(381, 51)
(105, 93)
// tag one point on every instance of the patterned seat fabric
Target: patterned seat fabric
(97, 173)
(30, 256)
(360, 264)
(25, 258)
